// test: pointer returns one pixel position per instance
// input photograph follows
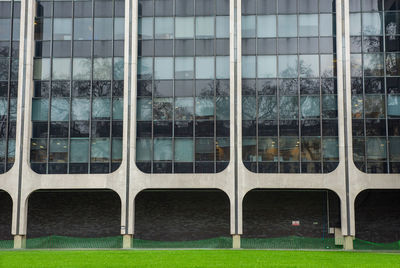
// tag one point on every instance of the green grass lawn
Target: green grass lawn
(194, 258)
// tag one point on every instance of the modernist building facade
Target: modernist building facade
(250, 115)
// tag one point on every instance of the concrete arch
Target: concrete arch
(182, 214)
(377, 215)
(73, 212)
(6, 215)
(275, 212)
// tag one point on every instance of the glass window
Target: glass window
(330, 149)
(204, 27)
(372, 23)
(184, 150)
(287, 66)
(327, 24)
(103, 28)
(184, 108)
(393, 106)
(222, 27)
(205, 107)
(327, 66)
(287, 25)
(267, 149)
(376, 149)
(80, 109)
(309, 66)
(83, 29)
(61, 69)
(308, 25)
(118, 109)
(145, 67)
(144, 109)
(267, 107)
(40, 109)
(41, 69)
(101, 108)
(58, 150)
(373, 64)
(163, 68)
(102, 68)
(116, 150)
(289, 149)
(205, 149)
(310, 106)
(355, 24)
(310, 149)
(288, 107)
(5, 29)
(184, 27)
(59, 109)
(82, 69)
(62, 29)
(162, 149)
(394, 149)
(248, 26)
(162, 108)
(184, 67)
(249, 107)
(250, 70)
(145, 28)
(374, 106)
(164, 28)
(143, 149)
(266, 26)
(79, 150)
(223, 108)
(204, 67)
(119, 28)
(266, 66)
(118, 68)
(222, 64)
(100, 151)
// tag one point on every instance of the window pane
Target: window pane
(204, 27)
(327, 66)
(102, 68)
(267, 149)
(331, 149)
(184, 67)
(266, 66)
(164, 28)
(145, 28)
(205, 107)
(184, 109)
(118, 109)
(266, 26)
(145, 67)
(222, 67)
(61, 69)
(205, 149)
(163, 68)
(118, 68)
(287, 25)
(116, 150)
(310, 106)
(249, 109)
(288, 107)
(144, 109)
(204, 68)
(143, 149)
(184, 27)
(80, 109)
(250, 70)
(82, 69)
(373, 64)
(308, 25)
(184, 150)
(222, 27)
(289, 149)
(355, 24)
(162, 149)
(394, 149)
(162, 109)
(310, 149)
(59, 109)
(101, 108)
(376, 149)
(327, 24)
(288, 66)
(248, 26)
(374, 106)
(83, 29)
(100, 151)
(119, 28)
(40, 109)
(372, 23)
(267, 108)
(309, 66)
(393, 106)
(103, 28)
(79, 150)
(223, 108)
(58, 150)
(62, 29)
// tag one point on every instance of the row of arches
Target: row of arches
(179, 215)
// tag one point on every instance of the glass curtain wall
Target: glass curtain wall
(183, 86)
(10, 12)
(375, 72)
(77, 103)
(289, 91)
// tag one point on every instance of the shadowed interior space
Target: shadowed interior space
(5, 216)
(169, 215)
(79, 213)
(377, 215)
(273, 213)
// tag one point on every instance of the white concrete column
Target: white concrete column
(19, 241)
(236, 241)
(127, 241)
(348, 242)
